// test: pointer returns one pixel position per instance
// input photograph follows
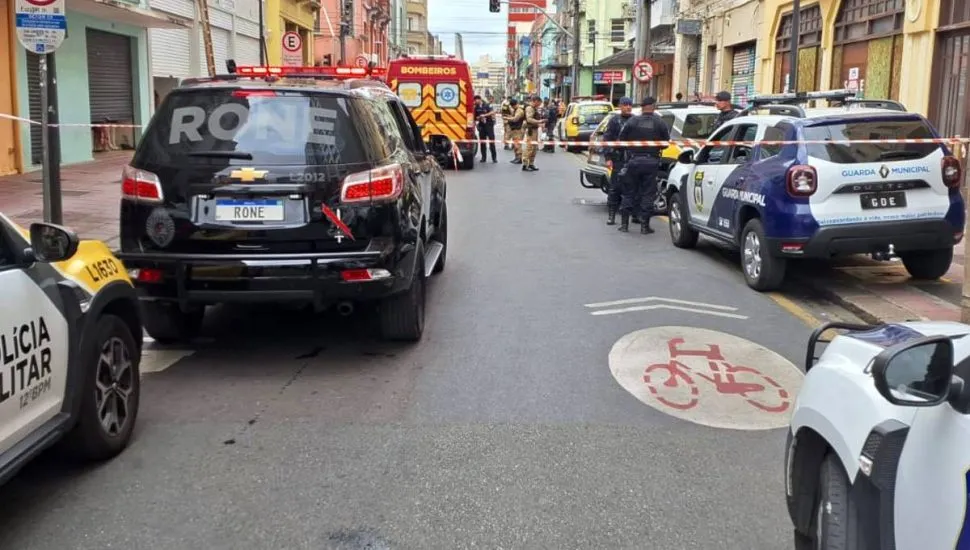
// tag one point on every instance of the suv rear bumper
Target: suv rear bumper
(195, 279)
(866, 238)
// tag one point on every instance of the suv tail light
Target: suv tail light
(380, 184)
(802, 180)
(139, 185)
(952, 172)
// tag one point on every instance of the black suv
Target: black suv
(283, 185)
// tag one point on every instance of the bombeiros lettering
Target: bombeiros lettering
(26, 354)
(430, 71)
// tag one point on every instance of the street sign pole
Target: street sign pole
(41, 28)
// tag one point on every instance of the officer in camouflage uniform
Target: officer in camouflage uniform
(515, 129)
(532, 123)
(506, 115)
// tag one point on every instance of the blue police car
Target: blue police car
(840, 191)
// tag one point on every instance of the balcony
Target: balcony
(662, 12)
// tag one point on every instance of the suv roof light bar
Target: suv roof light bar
(267, 72)
(802, 97)
(887, 104)
(775, 109)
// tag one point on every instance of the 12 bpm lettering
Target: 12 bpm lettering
(26, 368)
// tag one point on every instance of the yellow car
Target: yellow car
(70, 345)
(580, 121)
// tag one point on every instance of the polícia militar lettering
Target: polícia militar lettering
(26, 357)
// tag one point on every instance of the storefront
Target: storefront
(283, 16)
(102, 76)
(868, 47)
(611, 82)
(950, 101)
(9, 160)
(809, 51)
(730, 53)
(743, 67)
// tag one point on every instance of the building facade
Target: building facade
(417, 27)
(368, 38)
(488, 76)
(103, 76)
(180, 53)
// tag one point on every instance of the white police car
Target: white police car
(823, 198)
(878, 453)
(70, 344)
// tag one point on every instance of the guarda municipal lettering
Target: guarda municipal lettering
(284, 121)
(743, 196)
(896, 171)
(26, 353)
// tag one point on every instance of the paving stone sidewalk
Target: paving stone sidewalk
(91, 191)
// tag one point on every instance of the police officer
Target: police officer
(532, 123)
(485, 117)
(506, 115)
(552, 116)
(722, 102)
(616, 155)
(642, 164)
(515, 129)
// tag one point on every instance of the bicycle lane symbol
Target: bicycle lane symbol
(707, 377)
(758, 390)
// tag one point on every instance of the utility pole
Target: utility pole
(642, 46)
(796, 22)
(206, 35)
(262, 36)
(575, 84)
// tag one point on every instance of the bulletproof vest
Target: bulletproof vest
(517, 124)
(646, 127)
(532, 113)
(506, 110)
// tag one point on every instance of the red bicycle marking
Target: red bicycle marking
(723, 376)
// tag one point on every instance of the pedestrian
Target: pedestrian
(680, 97)
(642, 164)
(616, 155)
(552, 117)
(506, 115)
(532, 123)
(485, 117)
(722, 102)
(515, 121)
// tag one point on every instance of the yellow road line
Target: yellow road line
(798, 311)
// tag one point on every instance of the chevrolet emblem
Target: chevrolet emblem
(248, 174)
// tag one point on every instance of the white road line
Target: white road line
(659, 299)
(157, 360)
(663, 306)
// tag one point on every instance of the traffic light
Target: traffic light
(493, 6)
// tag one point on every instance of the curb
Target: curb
(863, 302)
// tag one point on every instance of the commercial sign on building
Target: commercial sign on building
(690, 27)
(609, 77)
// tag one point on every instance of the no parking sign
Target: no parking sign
(292, 49)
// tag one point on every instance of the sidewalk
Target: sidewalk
(883, 291)
(91, 191)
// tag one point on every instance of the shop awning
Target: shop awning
(129, 14)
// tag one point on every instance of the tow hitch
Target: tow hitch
(884, 255)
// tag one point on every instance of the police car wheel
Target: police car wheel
(836, 519)
(682, 235)
(441, 235)
(928, 265)
(402, 315)
(166, 323)
(762, 271)
(110, 393)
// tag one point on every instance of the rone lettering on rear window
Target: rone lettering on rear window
(278, 119)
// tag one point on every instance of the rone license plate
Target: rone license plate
(259, 210)
(891, 199)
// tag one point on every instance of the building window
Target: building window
(617, 30)
(868, 35)
(411, 26)
(591, 31)
(862, 19)
(809, 41)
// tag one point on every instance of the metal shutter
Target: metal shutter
(33, 89)
(247, 50)
(220, 50)
(170, 52)
(742, 74)
(110, 77)
(185, 8)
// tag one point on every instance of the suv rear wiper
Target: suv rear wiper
(899, 155)
(240, 155)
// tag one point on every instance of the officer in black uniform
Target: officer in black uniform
(485, 118)
(722, 102)
(617, 156)
(642, 164)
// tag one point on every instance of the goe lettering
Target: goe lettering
(26, 354)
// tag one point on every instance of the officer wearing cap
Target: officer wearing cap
(722, 102)
(616, 155)
(532, 122)
(516, 120)
(642, 164)
(485, 116)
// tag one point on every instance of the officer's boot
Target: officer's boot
(624, 223)
(611, 216)
(645, 227)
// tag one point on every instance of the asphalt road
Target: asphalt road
(504, 428)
